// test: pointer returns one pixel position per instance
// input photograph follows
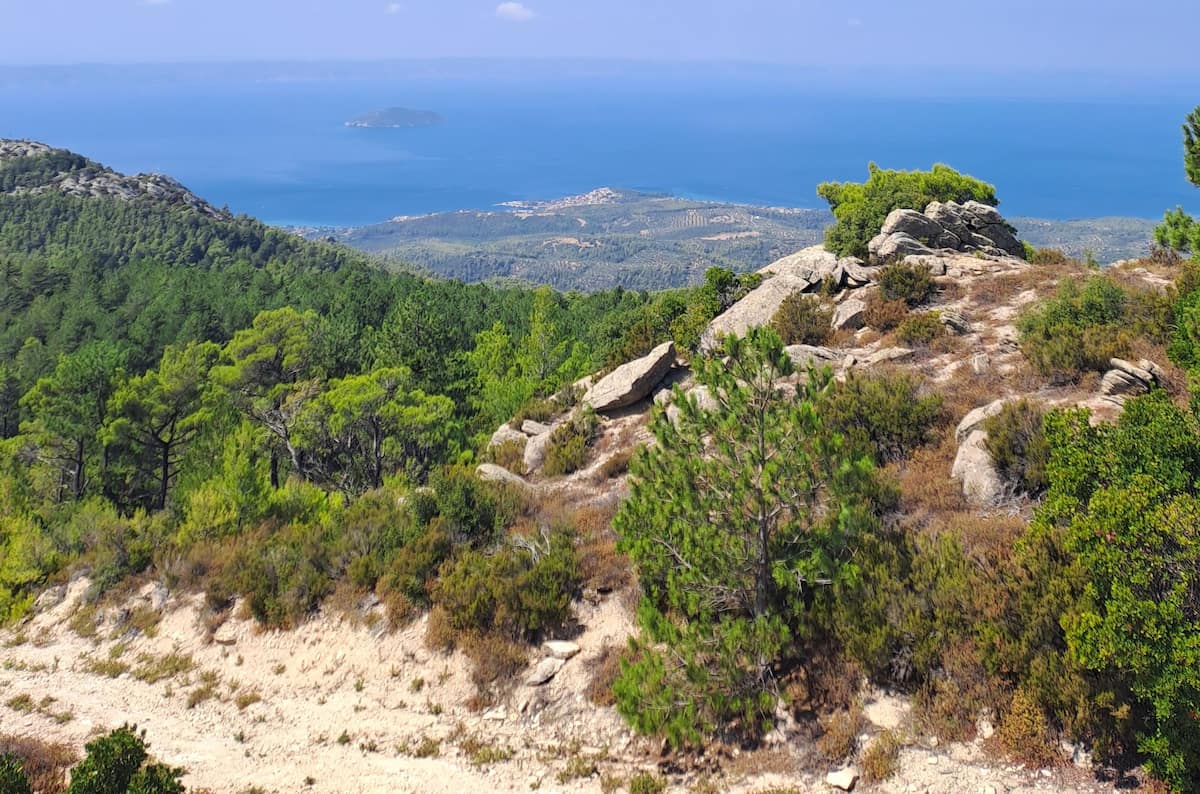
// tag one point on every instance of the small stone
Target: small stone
(560, 649)
(532, 428)
(843, 779)
(545, 670)
(985, 729)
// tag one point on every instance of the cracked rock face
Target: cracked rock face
(967, 227)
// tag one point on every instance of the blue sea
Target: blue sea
(280, 150)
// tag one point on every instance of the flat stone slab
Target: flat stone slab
(633, 381)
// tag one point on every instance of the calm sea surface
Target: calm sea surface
(280, 151)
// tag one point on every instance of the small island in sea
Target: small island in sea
(393, 118)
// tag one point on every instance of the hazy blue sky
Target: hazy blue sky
(1142, 35)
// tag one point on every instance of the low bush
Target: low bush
(646, 783)
(1078, 330)
(1053, 257)
(879, 760)
(801, 320)
(1025, 732)
(912, 284)
(515, 592)
(839, 734)
(889, 413)
(509, 454)
(32, 764)
(1017, 444)
(920, 330)
(117, 763)
(567, 450)
(884, 315)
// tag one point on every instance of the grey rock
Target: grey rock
(535, 452)
(545, 670)
(532, 428)
(955, 321)
(51, 596)
(912, 223)
(974, 469)
(856, 272)
(974, 419)
(842, 779)
(490, 472)
(985, 214)
(936, 265)
(887, 354)
(633, 381)
(803, 355)
(1117, 383)
(850, 314)
(980, 363)
(506, 434)
(754, 310)
(560, 649)
(886, 248)
(811, 265)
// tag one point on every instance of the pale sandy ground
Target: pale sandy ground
(330, 677)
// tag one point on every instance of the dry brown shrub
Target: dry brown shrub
(509, 455)
(839, 734)
(46, 764)
(879, 760)
(495, 663)
(602, 672)
(827, 682)
(948, 705)
(884, 315)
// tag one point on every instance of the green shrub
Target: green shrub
(114, 765)
(887, 412)
(1078, 330)
(912, 284)
(537, 409)
(567, 450)
(861, 208)
(12, 776)
(1018, 446)
(646, 783)
(884, 315)
(411, 572)
(514, 592)
(800, 320)
(921, 329)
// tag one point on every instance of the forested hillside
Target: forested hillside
(960, 468)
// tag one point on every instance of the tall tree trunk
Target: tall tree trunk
(78, 480)
(164, 475)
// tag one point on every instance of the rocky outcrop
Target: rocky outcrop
(535, 452)
(1128, 380)
(944, 226)
(754, 310)
(73, 175)
(631, 382)
(804, 355)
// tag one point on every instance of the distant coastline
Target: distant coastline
(396, 118)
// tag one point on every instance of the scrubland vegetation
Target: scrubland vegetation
(240, 413)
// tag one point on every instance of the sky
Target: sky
(1144, 36)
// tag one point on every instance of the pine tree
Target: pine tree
(736, 517)
(1191, 146)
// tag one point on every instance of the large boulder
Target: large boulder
(754, 310)
(1126, 379)
(803, 355)
(535, 452)
(888, 247)
(490, 472)
(855, 272)
(812, 265)
(975, 470)
(912, 223)
(632, 381)
(974, 420)
(506, 434)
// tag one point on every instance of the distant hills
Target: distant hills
(636, 240)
